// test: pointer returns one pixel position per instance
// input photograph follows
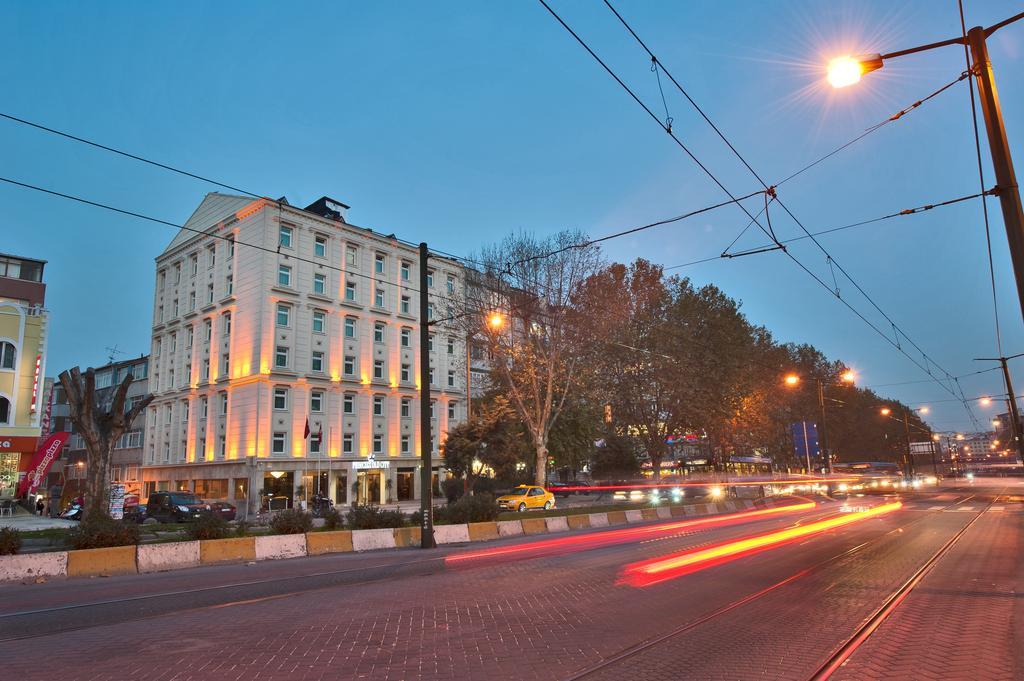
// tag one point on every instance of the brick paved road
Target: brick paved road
(405, 615)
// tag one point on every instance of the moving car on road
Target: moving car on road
(526, 497)
(175, 507)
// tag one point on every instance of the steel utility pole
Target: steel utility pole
(999, 146)
(906, 429)
(1011, 400)
(426, 441)
(822, 443)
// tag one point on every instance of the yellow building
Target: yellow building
(23, 333)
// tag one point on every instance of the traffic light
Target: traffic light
(607, 413)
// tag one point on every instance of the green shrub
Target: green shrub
(101, 531)
(373, 518)
(242, 528)
(10, 541)
(332, 519)
(453, 489)
(292, 521)
(208, 526)
(475, 509)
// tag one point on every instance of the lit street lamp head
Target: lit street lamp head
(792, 380)
(848, 376)
(844, 71)
(886, 411)
(495, 320)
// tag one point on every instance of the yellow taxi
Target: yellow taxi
(526, 497)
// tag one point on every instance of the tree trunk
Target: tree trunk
(98, 489)
(540, 471)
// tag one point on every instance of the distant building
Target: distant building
(126, 462)
(24, 324)
(267, 316)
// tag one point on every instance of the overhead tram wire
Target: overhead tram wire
(186, 173)
(897, 331)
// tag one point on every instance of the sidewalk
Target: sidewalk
(25, 522)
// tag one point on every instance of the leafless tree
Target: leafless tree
(100, 419)
(519, 304)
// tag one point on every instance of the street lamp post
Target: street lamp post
(792, 380)
(848, 70)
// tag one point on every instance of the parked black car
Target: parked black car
(175, 507)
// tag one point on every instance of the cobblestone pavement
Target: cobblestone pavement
(403, 615)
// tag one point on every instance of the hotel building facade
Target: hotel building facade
(267, 317)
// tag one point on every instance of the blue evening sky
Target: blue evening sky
(457, 122)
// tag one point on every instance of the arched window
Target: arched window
(5, 410)
(7, 354)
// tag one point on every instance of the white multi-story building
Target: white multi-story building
(266, 316)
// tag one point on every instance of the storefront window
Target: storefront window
(404, 488)
(241, 486)
(341, 489)
(212, 489)
(8, 473)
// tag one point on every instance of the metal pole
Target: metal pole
(1002, 163)
(1014, 413)
(935, 465)
(807, 448)
(821, 428)
(910, 453)
(426, 444)
(469, 374)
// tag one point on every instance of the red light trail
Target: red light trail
(707, 483)
(608, 538)
(662, 569)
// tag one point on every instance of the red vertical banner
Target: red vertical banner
(41, 462)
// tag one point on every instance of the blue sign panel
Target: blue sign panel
(805, 440)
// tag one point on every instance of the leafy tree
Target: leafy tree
(614, 459)
(489, 438)
(572, 437)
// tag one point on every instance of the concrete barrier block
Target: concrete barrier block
(225, 550)
(598, 519)
(679, 511)
(170, 556)
(634, 515)
(115, 560)
(483, 531)
(664, 512)
(649, 513)
(369, 540)
(407, 537)
(617, 518)
(534, 526)
(509, 528)
(556, 523)
(451, 534)
(578, 522)
(32, 565)
(336, 541)
(278, 546)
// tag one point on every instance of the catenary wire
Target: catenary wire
(897, 331)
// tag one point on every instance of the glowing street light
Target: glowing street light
(985, 401)
(845, 71)
(848, 376)
(886, 411)
(923, 410)
(495, 320)
(792, 380)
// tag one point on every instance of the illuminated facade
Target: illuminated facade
(267, 316)
(23, 334)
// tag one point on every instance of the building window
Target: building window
(278, 443)
(229, 285)
(193, 264)
(430, 311)
(349, 367)
(284, 275)
(350, 291)
(406, 336)
(451, 378)
(167, 415)
(161, 278)
(222, 447)
(433, 403)
(189, 334)
(348, 404)
(348, 442)
(406, 442)
(227, 323)
(379, 263)
(351, 256)
(350, 327)
(378, 333)
(174, 343)
(406, 407)
(320, 283)
(225, 365)
(177, 273)
(406, 375)
(174, 307)
(281, 357)
(223, 404)
(209, 293)
(405, 271)
(281, 399)
(451, 347)
(430, 342)
(208, 329)
(378, 298)
(285, 239)
(206, 369)
(432, 376)
(191, 300)
(314, 444)
(211, 256)
(284, 314)
(378, 405)
(231, 247)
(318, 321)
(404, 308)
(430, 278)
(320, 247)
(378, 368)
(184, 411)
(204, 408)
(378, 443)
(316, 401)
(317, 362)
(451, 284)
(451, 409)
